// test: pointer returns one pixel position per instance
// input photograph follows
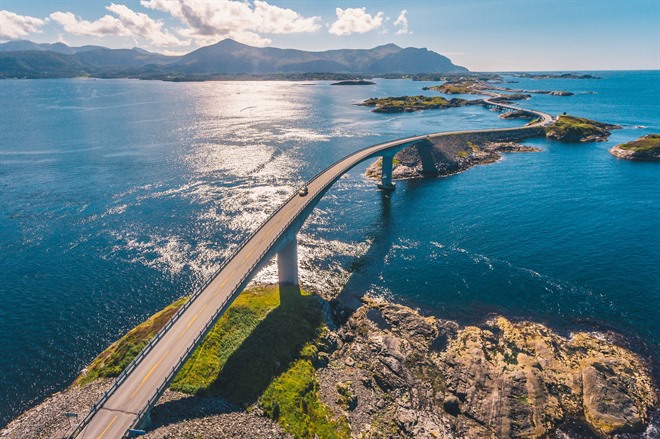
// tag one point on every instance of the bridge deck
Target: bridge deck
(137, 390)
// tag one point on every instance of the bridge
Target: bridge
(127, 404)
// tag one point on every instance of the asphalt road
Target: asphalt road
(144, 384)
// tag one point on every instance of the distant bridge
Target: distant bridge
(128, 402)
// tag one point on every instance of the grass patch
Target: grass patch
(112, 361)
(260, 334)
(458, 88)
(650, 142)
(571, 128)
(409, 103)
(292, 399)
(255, 340)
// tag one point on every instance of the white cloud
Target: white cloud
(139, 24)
(355, 20)
(402, 21)
(127, 23)
(105, 25)
(208, 22)
(14, 26)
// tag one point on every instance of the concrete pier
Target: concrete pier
(287, 264)
(386, 183)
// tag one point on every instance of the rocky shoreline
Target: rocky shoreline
(388, 371)
(646, 148)
(415, 376)
(579, 129)
(447, 156)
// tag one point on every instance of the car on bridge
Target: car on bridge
(303, 191)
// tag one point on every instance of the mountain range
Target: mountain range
(25, 59)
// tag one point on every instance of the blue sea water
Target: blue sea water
(118, 196)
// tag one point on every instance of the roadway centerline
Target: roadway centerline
(106, 428)
(248, 255)
(191, 321)
(223, 284)
(284, 225)
(150, 372)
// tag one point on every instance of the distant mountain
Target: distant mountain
(19, 45)
(26, 59)
(229, 56)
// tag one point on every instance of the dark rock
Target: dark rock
(452, 406)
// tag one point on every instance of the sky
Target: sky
(482, 35)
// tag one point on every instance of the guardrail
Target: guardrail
(138, 359)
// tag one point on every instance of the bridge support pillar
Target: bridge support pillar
(287, 264)
(386, 183)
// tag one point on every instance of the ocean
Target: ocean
(119, 196)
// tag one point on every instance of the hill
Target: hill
(229, 56)
(25, 59)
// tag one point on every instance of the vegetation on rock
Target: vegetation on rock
(578, 129)
(455, 88)
(112, 361)
(399, 104)
(646, 148)
(292, 399)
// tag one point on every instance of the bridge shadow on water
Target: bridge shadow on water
(366, 266)
(268, 351)
(278, 339)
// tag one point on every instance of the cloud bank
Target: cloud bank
(208, 22)
(196, 23)
(14, 26)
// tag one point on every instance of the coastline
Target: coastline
(425, 388)
(459, 171)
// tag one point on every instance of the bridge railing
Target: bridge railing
(159, 335)
(136, 361)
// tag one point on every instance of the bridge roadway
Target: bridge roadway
(128, 402)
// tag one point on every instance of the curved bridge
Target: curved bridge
(126, 405)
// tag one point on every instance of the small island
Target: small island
(646, 148)
(579, 129)
(556, 76)
(354, 82)
(457, 88)
(400, 104)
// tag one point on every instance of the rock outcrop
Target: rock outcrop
(646, 148)
(453, 154)
(579, 129)
(390, 372)
(177, 415)
(415, 376)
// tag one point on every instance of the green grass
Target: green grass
(261, 349)
(454, 89)
(254, 341)
(571, 127)
(406, 103)
(292, 399)
(114, 359)
(650, 142)
(260, 334)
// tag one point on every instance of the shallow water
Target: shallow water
(118, 196)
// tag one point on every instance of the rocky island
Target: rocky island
(354, 82)
(284, 363)
(579, 129)
(443, 157)
(400, 104)
(646, 148)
